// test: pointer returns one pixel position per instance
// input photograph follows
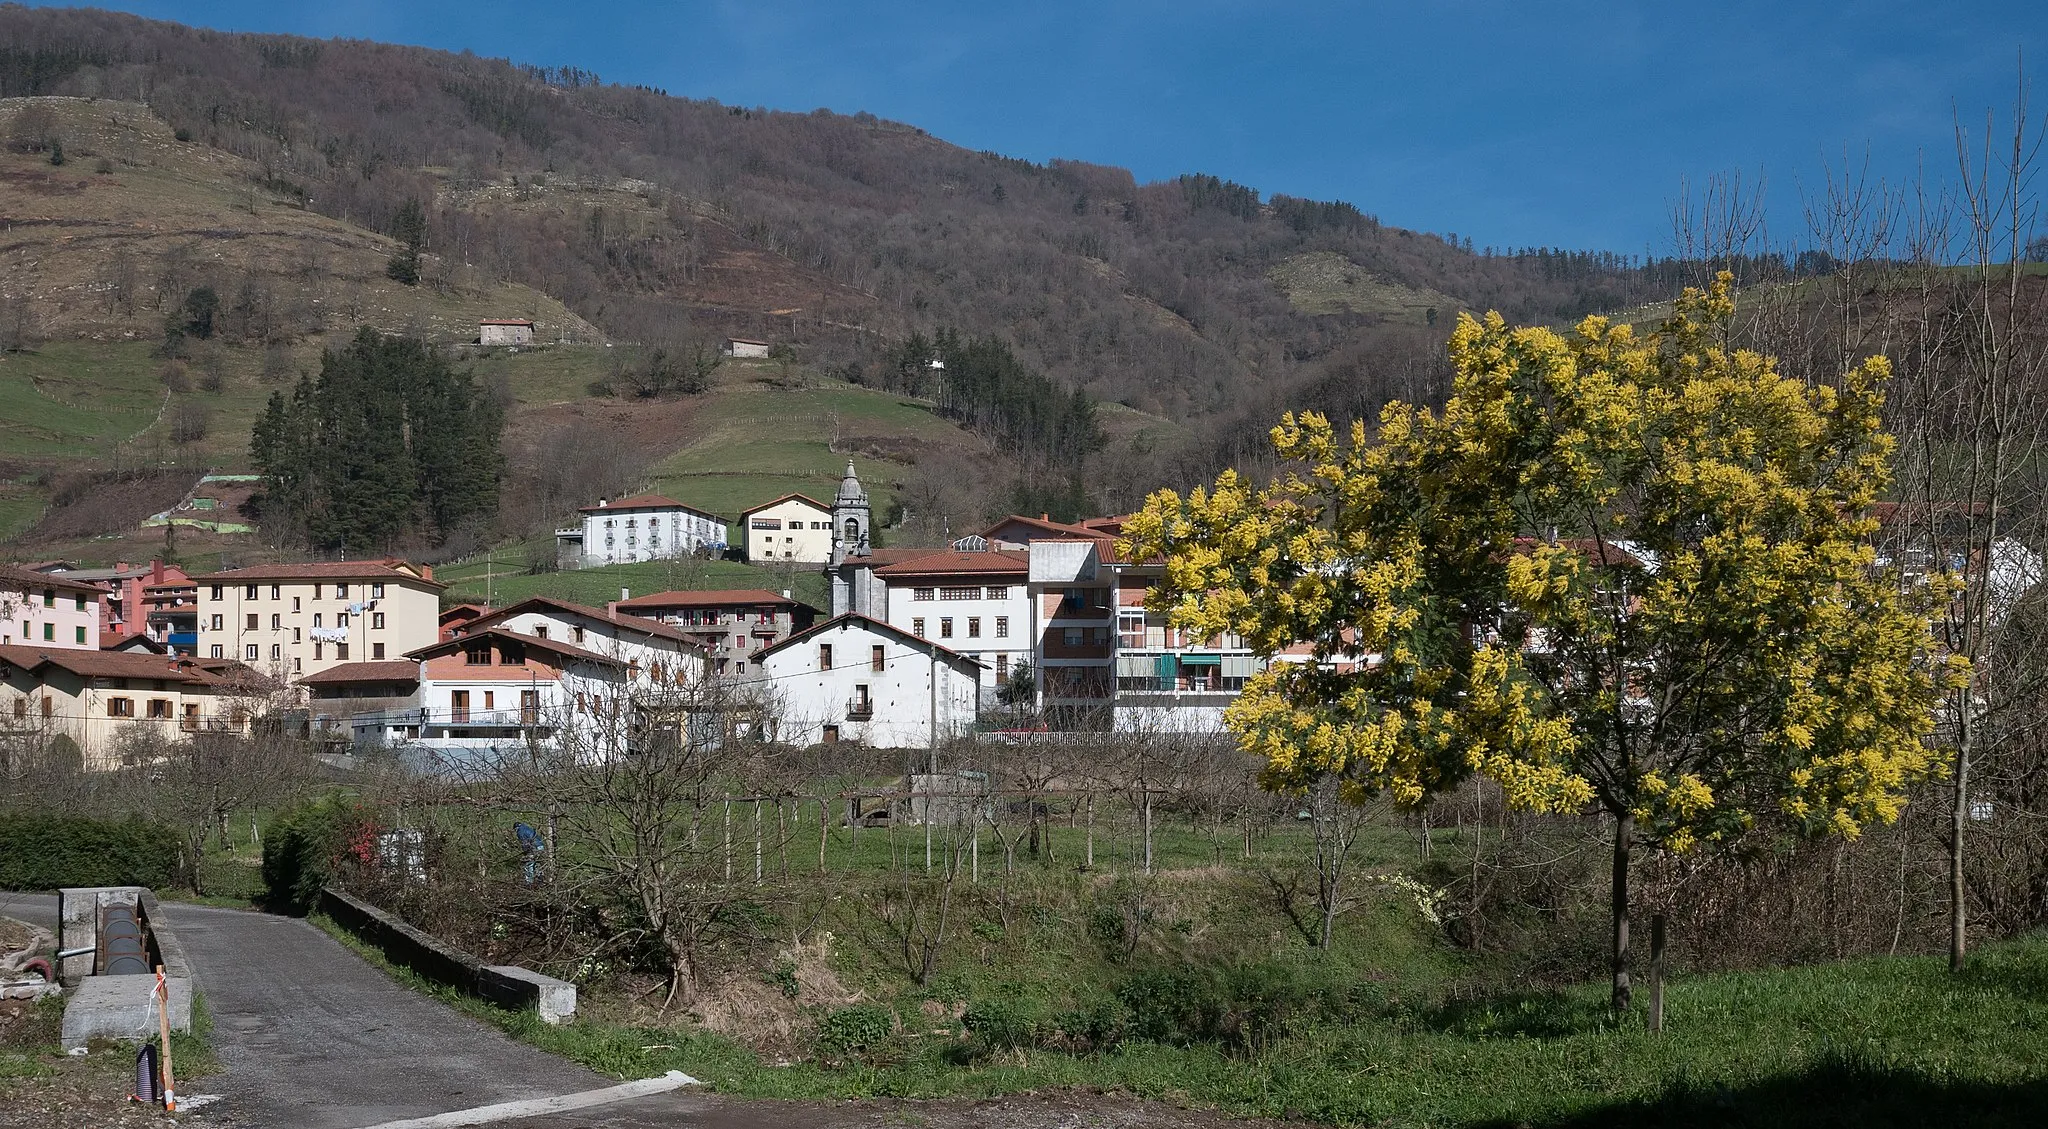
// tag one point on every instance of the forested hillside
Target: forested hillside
(666, 220)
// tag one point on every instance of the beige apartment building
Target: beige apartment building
(291, 620)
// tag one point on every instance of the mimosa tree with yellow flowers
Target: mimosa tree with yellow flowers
(1614, 569)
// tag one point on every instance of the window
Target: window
(765, 523)
(376, 621)
(120, 707)
(49, 707)
(529, 706)
(79, 601)
(945, 627)
(318, 648)
(490, 700)
(252, 620)
(217, 592)
(1002, 627)
(295, 603)
(316, 591)
(1099, 636)
(276, 592)
(830, 736)
(917, 627)
(81, 635)
(540, 630)
(49, 597)
(739, 642)
(341, 620)
(458, 705)
(316, 619)
(1002, 666)
(377, 650)
(49, 632)
(376, 591)
(296, 667)
(576, 634)
(341, 652)
(249, 653)
(824, 656)
(1072, 636)
(277, 623)
(477, 656)
(1074, 600)
(295, 636)
(214, 652)
(922, 593)
(875, 657)
(974, 627)
(998, 593)
(959, 593)
(276, 652)
(249, 592)
(341, 591)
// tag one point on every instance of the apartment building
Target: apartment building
(732, 625)
(291, 620)
(124, 606)
(971, 599)
(48, 610)
(792, 528)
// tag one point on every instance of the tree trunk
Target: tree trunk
(1959, 819)
(1657, 973)
(1624, 840)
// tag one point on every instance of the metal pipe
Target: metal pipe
(68, 953)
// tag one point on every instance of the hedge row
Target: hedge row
(46, 852)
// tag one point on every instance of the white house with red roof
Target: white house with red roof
(96, 698)
(858, 679)
(644, 527)
(733, 625)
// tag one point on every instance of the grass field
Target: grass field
(501, 577)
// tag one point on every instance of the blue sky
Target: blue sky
(1570, 124)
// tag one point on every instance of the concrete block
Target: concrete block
(554, 999)
(119, 1007)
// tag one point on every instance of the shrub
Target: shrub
(1170, 1005)
(45, 852)
(182, 134)
(1003, 1025)
(856, 1028)
(305, 846)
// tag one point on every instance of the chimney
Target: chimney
(156, 572)
(601, 503)
(427, 572)
(625, 594)
(785, 593)
(1045, 517)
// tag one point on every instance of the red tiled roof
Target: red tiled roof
(505, 321)
(1595, 551)
(388, 671)
(535, 642)
(718, 598)
(646, 502)
(107, 664)
(474, 611)
(15, 574)
(992, 562)
(786, 497)
(387, 570)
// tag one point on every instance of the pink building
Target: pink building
(41, 610)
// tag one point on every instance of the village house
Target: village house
(857, 679)
(95, 698)
(792, 528)
(733, 626)
(644, 527)
(741, 348)
(292, 620)
(48, 609)
(170, 614)
(504, 331)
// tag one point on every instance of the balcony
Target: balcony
(860, 709)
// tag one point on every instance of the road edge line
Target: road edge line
(536, 1107)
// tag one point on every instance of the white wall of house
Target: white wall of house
(789, 530)
(622, 536)
(915, 686)
(505, 333)
(994, 627)
(742, 349)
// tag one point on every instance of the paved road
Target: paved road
(312, 1037)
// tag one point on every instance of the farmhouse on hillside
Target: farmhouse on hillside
(740, 348)
(504, 331)
(645, 527)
